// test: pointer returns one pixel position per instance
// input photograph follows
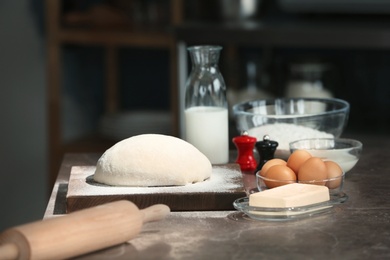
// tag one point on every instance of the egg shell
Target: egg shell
(279, 175)
(271, 163)
(297, 159)
(334, 171)
(313, 171)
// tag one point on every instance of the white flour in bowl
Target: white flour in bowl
(284, 134)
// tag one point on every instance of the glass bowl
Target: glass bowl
(335, 184)
(346, 152)
(289, 119)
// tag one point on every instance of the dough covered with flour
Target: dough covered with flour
(152, 160)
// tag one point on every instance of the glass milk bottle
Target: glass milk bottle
(206, 110)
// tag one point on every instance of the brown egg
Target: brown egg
(271, 163)
(282, 174)
(334, 170)
(297, 158)
(313, 171)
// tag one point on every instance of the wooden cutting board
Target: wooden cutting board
(217, 193)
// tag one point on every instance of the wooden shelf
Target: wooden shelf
(155, 39)
(302, 33)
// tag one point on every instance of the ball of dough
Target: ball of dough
(152, 160)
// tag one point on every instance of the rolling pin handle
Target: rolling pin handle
(9, 251)
(155, 212)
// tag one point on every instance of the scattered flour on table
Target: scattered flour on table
(200, 214)
(284, 134)
(222, 179)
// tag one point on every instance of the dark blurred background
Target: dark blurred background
(77, 76)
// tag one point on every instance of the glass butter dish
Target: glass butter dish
(290, 213)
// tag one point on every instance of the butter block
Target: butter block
(290, 195)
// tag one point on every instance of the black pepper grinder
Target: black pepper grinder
(266, 150)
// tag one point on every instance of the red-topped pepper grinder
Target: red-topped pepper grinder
(266, 149)
(245, 145)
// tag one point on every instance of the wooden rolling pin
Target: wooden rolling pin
(79, 232)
